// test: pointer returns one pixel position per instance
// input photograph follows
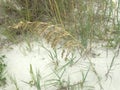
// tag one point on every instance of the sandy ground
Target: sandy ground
(19, 58)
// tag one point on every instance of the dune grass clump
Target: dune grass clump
(86, 21)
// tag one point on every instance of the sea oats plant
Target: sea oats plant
(84, 21)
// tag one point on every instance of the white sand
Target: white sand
(19, 59)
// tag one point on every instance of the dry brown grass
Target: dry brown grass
(53, 34)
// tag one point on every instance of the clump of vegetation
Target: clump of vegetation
(85, 21)
(2, 70)
(35, 79)
(14, 81)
